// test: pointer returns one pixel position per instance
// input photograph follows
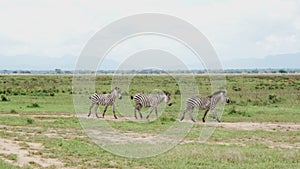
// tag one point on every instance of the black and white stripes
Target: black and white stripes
(150, 100)
(105, 100)
(207, 103)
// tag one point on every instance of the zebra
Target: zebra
(105, 100)
(150, 100)
(207, 103)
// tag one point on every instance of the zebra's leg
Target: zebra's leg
(150, 112)
(137, 108)
(90, 109)
(203, 118)
(215, 115)
(191, 115)
(96, 109)
(135, 112)
(113, 109)
(156, 112)
(183, 114)
(104, 111)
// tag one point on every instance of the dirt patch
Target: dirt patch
(11, 115)
(24, 157)
(261, 126)
(267, 126)
(108, 117)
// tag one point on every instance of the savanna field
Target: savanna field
(260, 127)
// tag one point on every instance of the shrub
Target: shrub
(177, 92)
(273, 98)
(9, 90)
(233, 111)
(12, 157)
(4, 98)
(13, 111)
(236, 88)
(29, 120)
(33, 105)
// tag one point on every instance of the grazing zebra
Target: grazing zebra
(105, 100)
(150, 100)
(207, 103)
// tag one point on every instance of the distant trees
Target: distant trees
(152, 71)
(282, 71)
(58, 71)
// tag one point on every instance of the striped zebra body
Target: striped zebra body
(207, 103)
(105, 100)
(150, 100)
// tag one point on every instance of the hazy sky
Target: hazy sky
(236, 28)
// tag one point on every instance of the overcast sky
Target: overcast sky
(236, 28)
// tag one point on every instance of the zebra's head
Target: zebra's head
(117, 92)
(222, 96)
(168, 98)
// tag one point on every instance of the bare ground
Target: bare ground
(261, 126)
(26, 155)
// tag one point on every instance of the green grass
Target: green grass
(39, 109)
(5, 165)
(256, 98)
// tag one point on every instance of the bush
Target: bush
(177, 92)
(236, 88)
(273, 98)
(233, 111)
(33, 105)
(4, 98)
(13, 111)
(29, 120)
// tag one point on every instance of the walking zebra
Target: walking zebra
(207, 103)
(105, 100)
(150, 100)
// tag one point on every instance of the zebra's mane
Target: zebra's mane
(218, 92)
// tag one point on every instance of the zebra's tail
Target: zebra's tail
(90, 97)
(131, 97)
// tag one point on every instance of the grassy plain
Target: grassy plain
(39, 109)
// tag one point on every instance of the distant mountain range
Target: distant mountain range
(291, 61)
(68, 62)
